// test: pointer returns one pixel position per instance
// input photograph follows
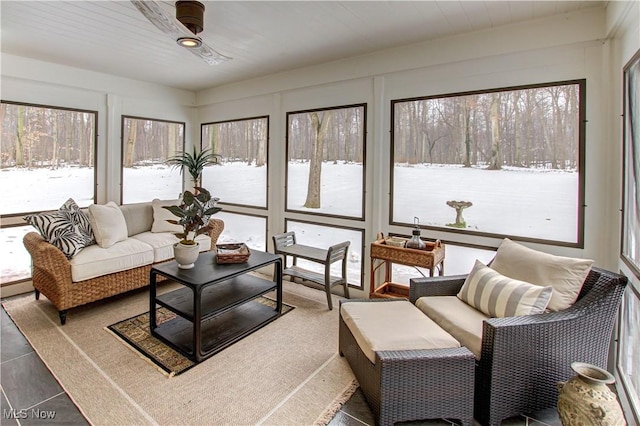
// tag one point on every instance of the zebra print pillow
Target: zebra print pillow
(68, 229)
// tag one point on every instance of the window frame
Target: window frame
(254, 215)
(3, 217)
(287, 209)
(15, 220)
(581, 146)
(266, 188)
(122, 146)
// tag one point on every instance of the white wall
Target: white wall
(560, 48)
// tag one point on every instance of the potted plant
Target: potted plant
(193, 216)
(194, 163)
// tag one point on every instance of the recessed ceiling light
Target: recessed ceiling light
(189, 42)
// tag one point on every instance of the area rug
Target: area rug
(287, 373)
(135, 333)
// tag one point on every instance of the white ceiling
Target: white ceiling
(263, 37)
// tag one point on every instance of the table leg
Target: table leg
(278, 276)
(197, 332)
(152, 301)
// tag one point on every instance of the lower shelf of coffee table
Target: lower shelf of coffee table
(217, 332)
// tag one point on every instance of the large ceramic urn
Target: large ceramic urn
(586, 399)
(186, 254)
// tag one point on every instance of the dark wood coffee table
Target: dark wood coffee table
(217, 305)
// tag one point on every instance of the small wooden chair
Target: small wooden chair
(335, 253)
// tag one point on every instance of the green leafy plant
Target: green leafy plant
(193, 214)
(194, 163)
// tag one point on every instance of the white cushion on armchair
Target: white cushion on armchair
(565, 274)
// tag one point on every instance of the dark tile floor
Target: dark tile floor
(356, 412)
(31, 395)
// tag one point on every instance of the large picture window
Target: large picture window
(47, 155)
(146, 145)
(240, 177)
(504, 162)
(326, 161)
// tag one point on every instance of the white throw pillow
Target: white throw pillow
(108, 224)
(565, 274)
(160, 216)
(498, 296)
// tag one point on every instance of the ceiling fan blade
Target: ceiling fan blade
(170, 25)
(209, 55)
(158, 16)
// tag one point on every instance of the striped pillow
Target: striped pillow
(499, 296)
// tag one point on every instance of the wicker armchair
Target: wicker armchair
(523, 358)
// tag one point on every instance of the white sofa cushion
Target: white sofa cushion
(162, 243)
(393, 326)
(499, 296)
(565, 274)
(160, 216)
(457, 318)
(139, 217)
(108, 224)
(94, 261)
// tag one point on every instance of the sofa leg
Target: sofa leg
(63, 316)
(37, 294)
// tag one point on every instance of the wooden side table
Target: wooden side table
(384, 254)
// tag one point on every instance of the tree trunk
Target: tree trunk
(20, 137)
(495, 162)
(131, 143)
(321, 127)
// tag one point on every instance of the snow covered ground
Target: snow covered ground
(540, 204)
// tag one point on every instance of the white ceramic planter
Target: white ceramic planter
(186, 254)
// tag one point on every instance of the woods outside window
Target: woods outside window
(503, 162)
(240, 177)
(147, 144)
(47, 156)
(326, 161)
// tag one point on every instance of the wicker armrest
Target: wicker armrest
(416, 355)
(215, 227)
(51, 268)
(435, 286)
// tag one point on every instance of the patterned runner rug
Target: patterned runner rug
(135, 333)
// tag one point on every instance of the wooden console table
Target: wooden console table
(382, 254)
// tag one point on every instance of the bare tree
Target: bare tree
(496, 160)
(320, 123)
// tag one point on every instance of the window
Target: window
(322, 236)
(240, 177)
(16, 262)
(325, 161)
(628, 354)
(504, 162)
(47, 156)
(46, 144)
(243, 228)
(146, 145)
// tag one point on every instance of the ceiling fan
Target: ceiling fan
(184, 27)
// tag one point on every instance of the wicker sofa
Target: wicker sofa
(95, 272)
(522, 358)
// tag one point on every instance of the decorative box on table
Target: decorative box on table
(388, 251)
